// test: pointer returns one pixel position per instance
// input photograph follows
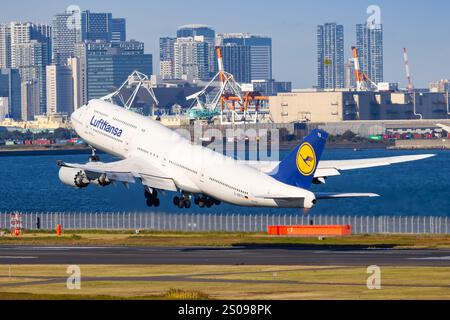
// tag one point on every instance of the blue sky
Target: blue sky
(421, 26)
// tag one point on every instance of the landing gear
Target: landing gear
(182, 202)
(94, 157)
(207, 202)
(152, 198)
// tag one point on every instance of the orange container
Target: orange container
(310, 231)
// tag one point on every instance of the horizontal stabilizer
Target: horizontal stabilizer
(328, 196)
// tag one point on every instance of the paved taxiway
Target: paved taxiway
(251, 255)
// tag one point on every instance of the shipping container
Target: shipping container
(310, 231)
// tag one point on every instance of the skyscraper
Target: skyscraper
(98, 26)
(79, 80)
(109, 64)
(167, 57)
(237, 61)
(30, 53)
(43, 34)
(30, 100)
(68, 28)
(369, 41)
(209, 37)
(31, 60)
(260, 52)
(20, 34)
(191, 58)
(330, 56)
(119, 30)
(73, 27)
(59, 90)
(5, 46)
(10, 89)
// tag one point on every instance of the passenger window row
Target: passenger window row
(228, 186)
(125, 123)
(108, 136)
(101, 113)
(183, 167)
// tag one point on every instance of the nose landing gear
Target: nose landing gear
(94, 157)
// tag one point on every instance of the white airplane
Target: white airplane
(164, 161)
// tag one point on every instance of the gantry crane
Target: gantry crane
(363, 82)
(230, 102)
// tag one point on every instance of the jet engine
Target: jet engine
(75, 178)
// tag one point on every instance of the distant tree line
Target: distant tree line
(58, 134)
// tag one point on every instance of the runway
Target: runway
(251, 255)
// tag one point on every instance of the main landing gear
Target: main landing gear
(152, 198)
(185, 201)
(207, 202)
(182, 202)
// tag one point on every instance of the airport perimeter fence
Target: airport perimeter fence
(204, 222)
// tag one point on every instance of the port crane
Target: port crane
(136, 80)
(231, 102)
(363, 82)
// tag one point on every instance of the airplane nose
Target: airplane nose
(77, 114)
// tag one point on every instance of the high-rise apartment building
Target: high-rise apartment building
(369, 41)
(167, 57)
(191, 58)
(330, 56)
(27, 47)
(209, 36)
(5, 46)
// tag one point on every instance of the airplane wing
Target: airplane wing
(333, 168)
(126, 171)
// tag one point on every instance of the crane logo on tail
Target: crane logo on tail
(306, 159)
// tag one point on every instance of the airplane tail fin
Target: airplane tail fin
(300, 165)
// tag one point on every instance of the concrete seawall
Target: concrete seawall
(441, 144)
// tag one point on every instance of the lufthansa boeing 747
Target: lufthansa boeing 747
(162, 160)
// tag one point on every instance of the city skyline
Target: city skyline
(291, 26)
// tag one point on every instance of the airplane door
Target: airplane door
(165, 160)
